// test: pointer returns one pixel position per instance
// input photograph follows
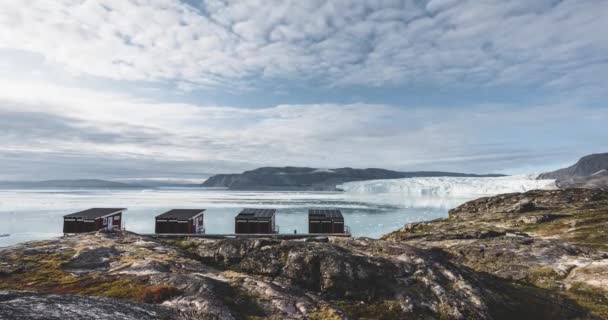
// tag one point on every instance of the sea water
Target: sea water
(370, 209)
(37, 214)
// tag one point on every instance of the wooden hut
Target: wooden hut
(93, 219)
(325, 221)
(182, 221)
(255, 221)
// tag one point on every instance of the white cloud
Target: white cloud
(80, 123)
(497, 42)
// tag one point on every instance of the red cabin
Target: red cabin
(182, 221)
(93, 219)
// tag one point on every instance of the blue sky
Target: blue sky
(182, 89)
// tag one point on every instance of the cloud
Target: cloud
(544, 43)
(93, 133)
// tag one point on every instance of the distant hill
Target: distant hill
(304, 178)
(81, 183)
(589, 172)
(160, 183)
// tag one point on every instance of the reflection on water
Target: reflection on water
(37, 214)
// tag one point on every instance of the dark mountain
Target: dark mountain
(589, 172)
(303, 178)
(585, 167)
(82, 183)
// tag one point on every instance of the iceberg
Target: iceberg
(450, 187)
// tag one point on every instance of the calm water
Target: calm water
(37, 214)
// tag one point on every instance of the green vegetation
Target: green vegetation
(587, 228)
(42, 272)
(324, 313)
(593, 299)
(384, 310)
(544, 277)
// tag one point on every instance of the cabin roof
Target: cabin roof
(94, 213)
(181, 214)
(325, 214)
(262, 214)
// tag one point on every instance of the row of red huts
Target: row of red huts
(190, 221)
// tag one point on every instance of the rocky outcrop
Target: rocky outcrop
(523, 205)
(20, 305)
(589, 172)
(302, 178)
(331, 278)
(553, 239)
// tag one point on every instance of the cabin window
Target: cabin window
(116, 218)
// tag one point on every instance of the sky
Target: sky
(159, 89)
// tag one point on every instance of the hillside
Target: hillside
(589, 172)
(303, 178)
(553, 239)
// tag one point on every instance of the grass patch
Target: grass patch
(43, 273)
(588, 229)
(593, 299)
(544, 277)
(183, 244)
(324, 313)
(386, 310)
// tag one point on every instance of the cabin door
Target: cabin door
(109, 223)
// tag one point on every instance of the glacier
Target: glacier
(448, 187)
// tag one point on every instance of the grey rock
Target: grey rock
(23, 305)
(97, 258)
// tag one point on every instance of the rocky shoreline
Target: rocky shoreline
(536, 255)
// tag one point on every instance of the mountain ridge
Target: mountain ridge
(307, 178)
(590, 171)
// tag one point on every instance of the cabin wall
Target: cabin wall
(79, 226)
(198, 225)
(174, 226)
(338, 227)
(115, 220)
(243, 226)
(325, 226)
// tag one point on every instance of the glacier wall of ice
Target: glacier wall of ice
(455, 187)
